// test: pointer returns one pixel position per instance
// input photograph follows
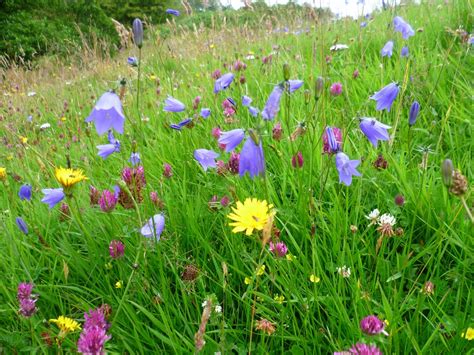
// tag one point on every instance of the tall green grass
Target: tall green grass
(160, 312)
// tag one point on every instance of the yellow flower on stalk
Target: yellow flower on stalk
(469, 334)
(314, 279)
(279, 299)
(290, 257)
(247, 281)
(250, 215)
(65, 324)
(119, 284)
(63, 119)
(3, 174)
(261, 270)
(69, 177)
(23, 140)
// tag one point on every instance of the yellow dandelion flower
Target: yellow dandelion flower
(279, 299)
(65, 324)
(314, 279)
(250, 215)
(261, 270)
(23, 140)
(3, 174)
(63, 119)
(469, 334)
(119, 284)
(69, 177)
(247, 281)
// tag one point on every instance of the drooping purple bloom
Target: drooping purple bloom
(246, 101)
(173, 105)
(251, 158)
(107, 149)
(52, 196)
(223, 82)
(387, 50)
(111, 137)
(207, 158)
(414, 110)
(107, 114)
(386, 96)
(180, 125)
(273, 103)
(205, 112)
(116, 249)
(154, 227)
(374, 130)
(332, 144)
(228, 102)
(231, 139)
(21, 225)
(403, 27)
(25, 192)
(134, 158)
(295, 85)
(253, 111)
(172, 12)
(346, 168)
(372, 325)
(404, 52)
(133, 61)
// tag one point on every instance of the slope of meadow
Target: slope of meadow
(338, 267)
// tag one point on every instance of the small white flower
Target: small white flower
(338, 47)
(387, 218)
(218, 309)
(204, 304)
(373, 216)
(344, 271)
(31, 93)
(45, 125)
(250, 57)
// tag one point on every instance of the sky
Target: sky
(341, 7)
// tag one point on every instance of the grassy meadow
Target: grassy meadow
(416, 280)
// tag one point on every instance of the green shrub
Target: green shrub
(34, 28)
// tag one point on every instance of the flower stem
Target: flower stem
(466, 207)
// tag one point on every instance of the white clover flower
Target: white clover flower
(344, 271)
(387, 218)
(373, 216)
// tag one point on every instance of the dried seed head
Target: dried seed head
(459, 185)
(190, 273)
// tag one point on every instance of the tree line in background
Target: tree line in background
(32, 28)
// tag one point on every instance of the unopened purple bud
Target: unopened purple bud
(297, 160)
(137, 32)
(167, 170)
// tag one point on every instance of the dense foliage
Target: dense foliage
(31, 28)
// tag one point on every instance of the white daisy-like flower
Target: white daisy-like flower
(387, 218)
(373, 216)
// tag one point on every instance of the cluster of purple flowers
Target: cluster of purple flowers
(26, 299)
(94, 333)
